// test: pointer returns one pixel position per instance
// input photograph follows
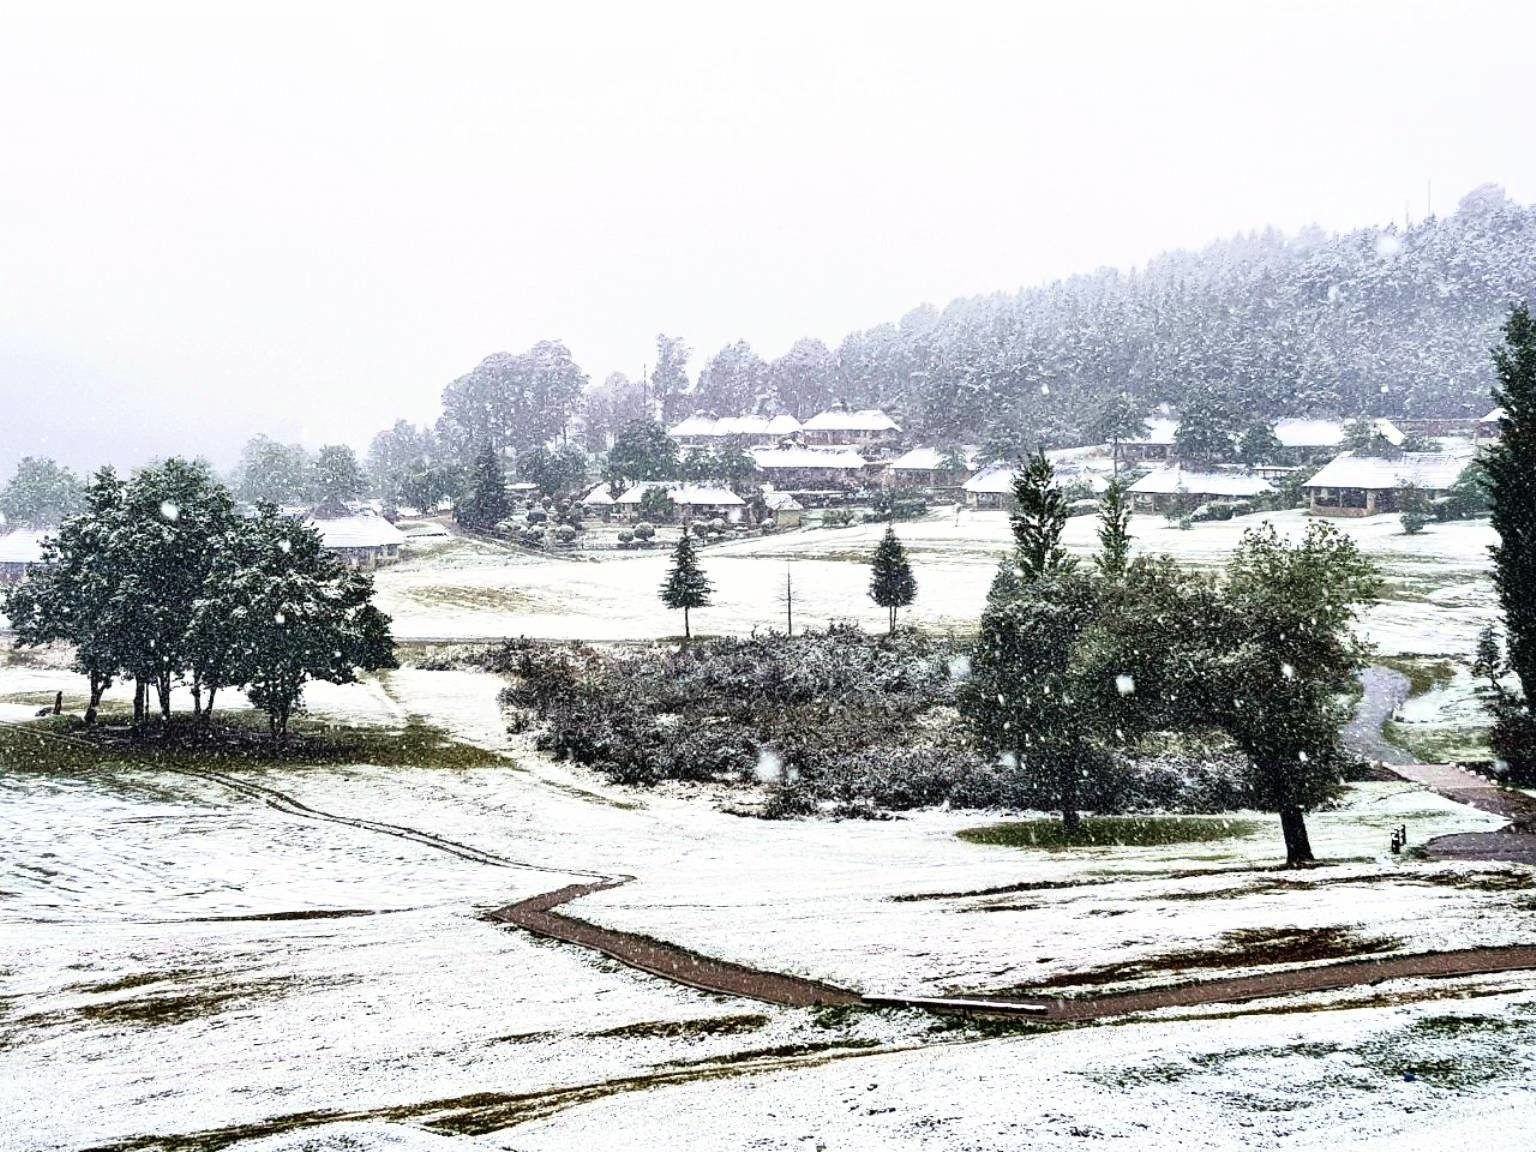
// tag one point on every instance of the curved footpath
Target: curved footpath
(537, 915)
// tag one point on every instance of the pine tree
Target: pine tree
(891, 583)
(1413, 508)
(1114, 531)
(484, 503)
(1510, 467)
(687, 587)
(1039, 519)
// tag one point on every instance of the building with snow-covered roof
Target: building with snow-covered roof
(21, 550)
(1490, 428)
(360, 540)
(786, 511)
(702, 430)
(992, 487)
(1351, 485)
(793, 466)
(1155, 442)
(692, 500)
(1176, 487)
(931, 468)
(862, 428)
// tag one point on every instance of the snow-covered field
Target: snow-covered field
(180, 957)
(1439, 592)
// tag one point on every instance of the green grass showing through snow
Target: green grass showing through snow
(1112, 832)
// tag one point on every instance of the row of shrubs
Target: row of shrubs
(836, 722)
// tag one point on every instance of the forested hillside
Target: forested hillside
(1395, 321)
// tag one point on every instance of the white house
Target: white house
(361, 540)
(1172, 487)
(1351, 485)
(704, 431)
(21, 550)
(865, 428)
(692, 500)
(787, 512)
(992, 487)
(930, 468)
(791, 467)
(1489, 428)
(1155, 442)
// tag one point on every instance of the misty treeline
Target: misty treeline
(162, 580)
(1392, 321)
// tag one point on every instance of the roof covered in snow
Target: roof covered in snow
(689, 495)
(599, 497)
(782, 502)
(701, 425)
(22, 547)
(842, 420)
(1296, 433)
(1435, 471)
(929, 460)
(356, 532)
(845, 459)
(1160, 430)
(1493, 417)
(998, 480)
(1172, 480)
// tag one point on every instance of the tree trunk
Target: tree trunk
(1071, 819)
(98, 686)
(197, 701)
(687, 635)
(140, 692)
(892, 630)
(1298, 848)
(208, 709)
(163, 691)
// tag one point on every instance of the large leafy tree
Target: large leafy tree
(891, 582)
(669, 379)
(641, 451)
(296, 614)
(42, 494)
(74, 596)
(554, 470)
(686, 585)
(337, 476)
(1118, 419)
(1207, 427)
(734, 380)
(274, 472)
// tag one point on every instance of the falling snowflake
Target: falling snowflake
(279, 618)
(1288, 671)
(1125, 685)
(284, 546)
(169, 510)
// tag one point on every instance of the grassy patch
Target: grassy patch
(163, 1009)
(1425, 673)
(1112, 832)
(239, 739)
(673, 1029)
(1439, 745)
(1243, 948)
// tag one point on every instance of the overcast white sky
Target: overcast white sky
(308, 218)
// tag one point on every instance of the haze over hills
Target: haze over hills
(1388, 320)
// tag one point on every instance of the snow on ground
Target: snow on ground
(1331, 1082)
(480, 592)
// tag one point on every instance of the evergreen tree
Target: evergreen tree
(1114, 531)
(1206, 428)
(484, 503)
(1038, 520)
(891, 583)
(687, 587)
(1120, 418)
(1510, 467)
(641, 451)
(1413, 508)
(1259, 445)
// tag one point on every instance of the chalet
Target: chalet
(787, 512)
(1490, 428)
(21, 550)
(359, 539)
(992, 487)
(1311, 441)
(1175, 488)
(702, 430)
(1155, 443)
(837, 426)
(930, 468)
(788, 467)
(692, 501)
(1351, 485)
